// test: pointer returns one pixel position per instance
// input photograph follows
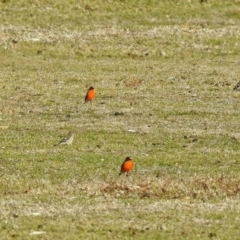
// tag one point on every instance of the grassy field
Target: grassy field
(164, 73)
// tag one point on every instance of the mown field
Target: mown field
(164, 73)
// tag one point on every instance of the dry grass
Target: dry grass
(164, 84)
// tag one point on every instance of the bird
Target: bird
(67, 139)
(237, 87)
(127, 166)
(90, 95)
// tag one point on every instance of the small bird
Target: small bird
(90, 95)
(126, 166)
(67, 140)
(237, 87)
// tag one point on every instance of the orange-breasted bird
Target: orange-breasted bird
(126, 166)
(90, 95)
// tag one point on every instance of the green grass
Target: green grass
(164, 72)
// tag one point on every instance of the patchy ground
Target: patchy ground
(164, 96)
